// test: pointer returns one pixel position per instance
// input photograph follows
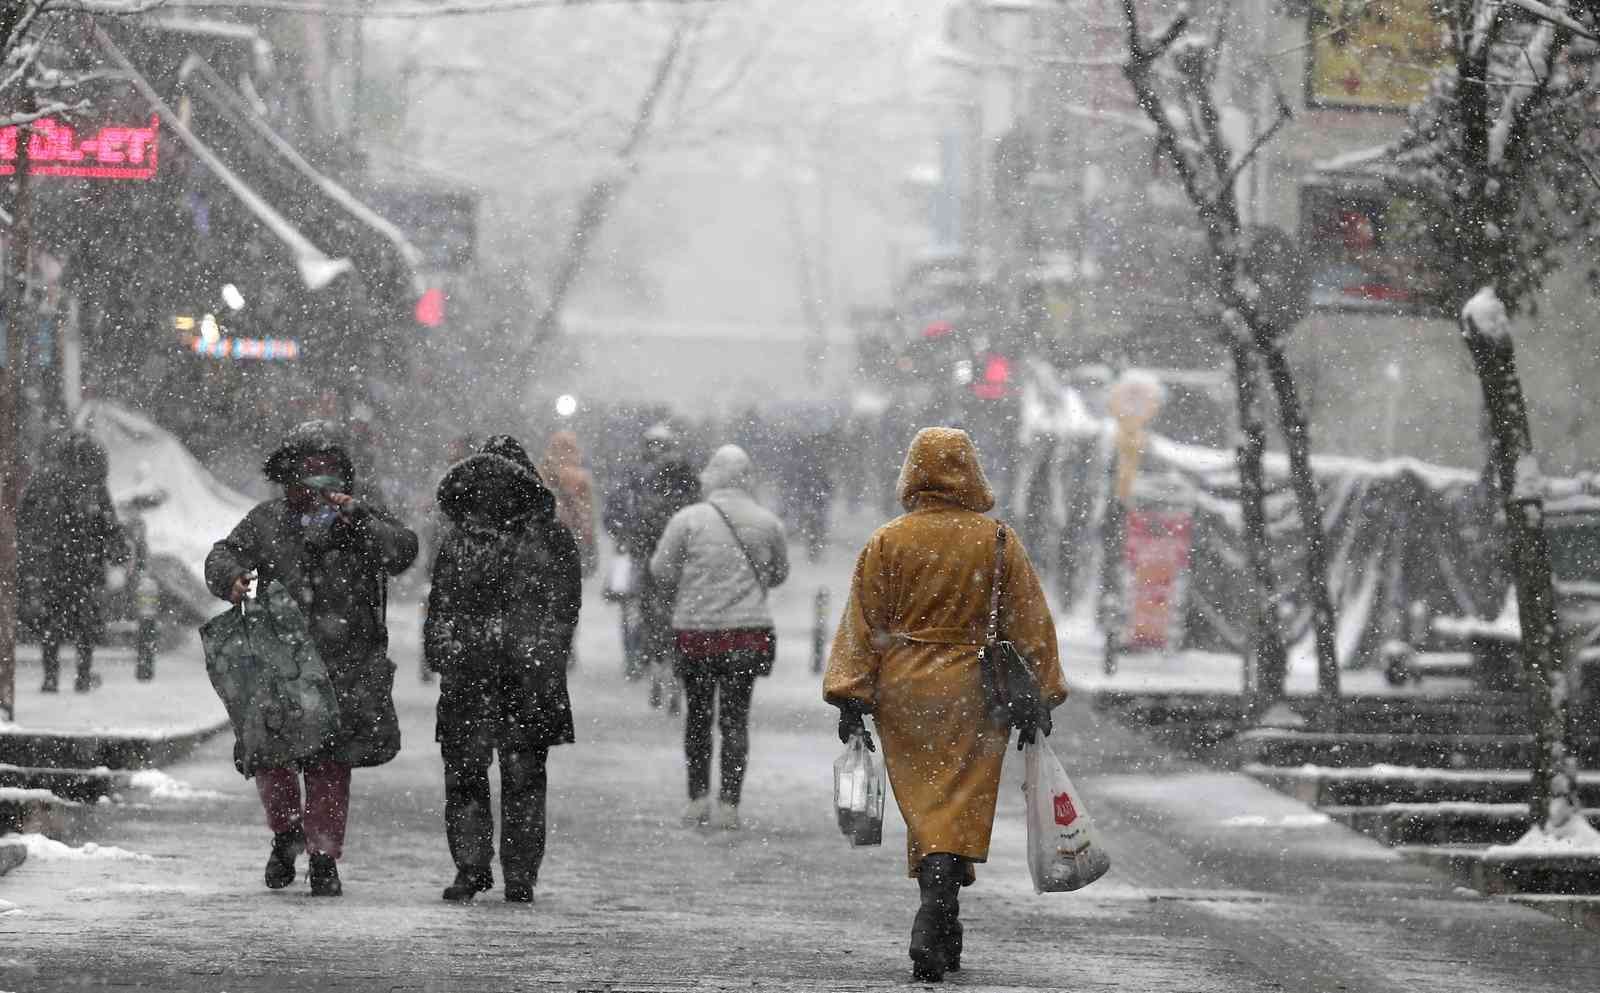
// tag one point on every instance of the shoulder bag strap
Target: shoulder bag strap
(742, 547)
(992, 635)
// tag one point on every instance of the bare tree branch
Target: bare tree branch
(1285, 115)
(1559, 18)
(39, 113)
(393, 11)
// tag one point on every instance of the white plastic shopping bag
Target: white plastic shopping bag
(1064, 853)
(858, 791)
(622, 580)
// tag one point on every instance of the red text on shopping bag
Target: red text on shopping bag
(1066, 813)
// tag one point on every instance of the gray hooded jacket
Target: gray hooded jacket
(697, 555)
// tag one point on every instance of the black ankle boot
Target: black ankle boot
(519, 889)
(325, 876)
(286, 847)
(52, 672)
(469, 883)
(939, 882)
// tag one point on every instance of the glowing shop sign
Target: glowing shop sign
(112, 152)
(264, 349)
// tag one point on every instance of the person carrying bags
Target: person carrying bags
(721, 556)
(910, 651)
(324, 550)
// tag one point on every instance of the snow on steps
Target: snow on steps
(31, 811)
(103, 748)
(1341, 786)
(12, 854)
(1501, 871)
(1446, 823)
(82, 785)
(1476, 713)
(1284, 747)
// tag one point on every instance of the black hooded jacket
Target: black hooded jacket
(504, 606)
(67, 533)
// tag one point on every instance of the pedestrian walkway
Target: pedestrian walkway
(178, 701)
(1219, 885)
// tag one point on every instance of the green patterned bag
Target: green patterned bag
(264, 666)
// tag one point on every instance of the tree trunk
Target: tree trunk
(1515, 470)
(1297, 438)
(596, 207)
(1267, 654)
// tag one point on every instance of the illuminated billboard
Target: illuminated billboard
(109, 152)
(1374, 54)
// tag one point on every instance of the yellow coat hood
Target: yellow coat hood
(943, 463)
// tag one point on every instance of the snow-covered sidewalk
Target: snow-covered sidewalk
(178, 701)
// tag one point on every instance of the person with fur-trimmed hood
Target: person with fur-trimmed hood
(333, 548)
(507, 588)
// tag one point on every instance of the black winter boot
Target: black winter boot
(519, 889)
(87, 680)
(940, 883)
(325, 876)
(469, 883)
(286, 847)
(953, 937)
(51, 657)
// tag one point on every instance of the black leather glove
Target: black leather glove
(852, 723)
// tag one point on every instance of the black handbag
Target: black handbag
(768, 654)
(1011, 690)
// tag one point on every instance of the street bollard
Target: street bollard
(819, 629)
(147, 604)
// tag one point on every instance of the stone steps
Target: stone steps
(1284, 747)
(1436, 824)
(80, 785)
(1323, 786)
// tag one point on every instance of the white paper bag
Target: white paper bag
(1064, 853)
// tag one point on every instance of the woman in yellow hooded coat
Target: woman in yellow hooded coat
(907, 652)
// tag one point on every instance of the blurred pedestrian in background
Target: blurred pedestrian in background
(565, 474)
(720, 557)
(907, 652)
(67, 534)
(333, 548)
(501, 618)
(660, 485)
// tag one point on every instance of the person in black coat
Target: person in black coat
(67, 533)
(662, 484)
(507, 588)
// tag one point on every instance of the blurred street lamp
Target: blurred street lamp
(566, 405)
(232, 297)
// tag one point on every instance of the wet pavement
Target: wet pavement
(1219, 885)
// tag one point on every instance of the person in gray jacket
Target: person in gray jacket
(721, 556)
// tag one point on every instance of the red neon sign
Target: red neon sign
(113, 152)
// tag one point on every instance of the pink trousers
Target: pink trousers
(326, 806)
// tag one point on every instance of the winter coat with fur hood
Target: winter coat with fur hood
(698, 557)
(504, 606)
